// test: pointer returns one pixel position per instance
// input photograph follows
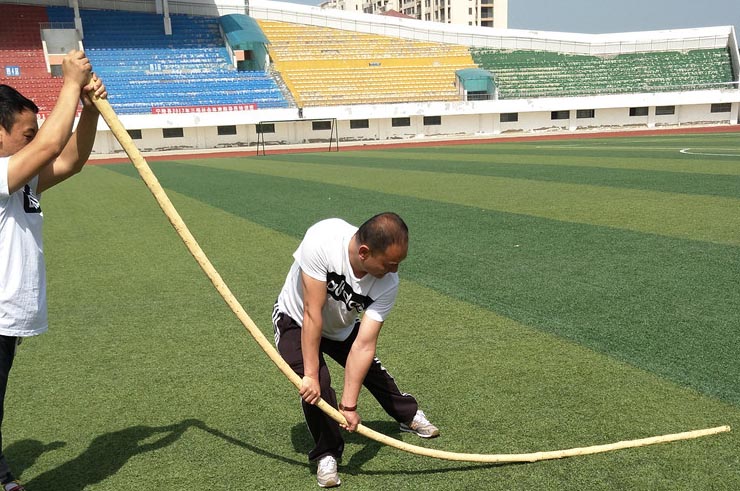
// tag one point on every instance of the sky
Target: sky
(599, 16)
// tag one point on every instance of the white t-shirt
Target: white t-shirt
(324, 255)
(22, 270)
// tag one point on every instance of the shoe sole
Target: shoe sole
(409, 430)
(331, 484)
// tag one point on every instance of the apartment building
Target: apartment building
(486, 13)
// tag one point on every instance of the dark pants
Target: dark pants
(324, 430)
(7, 353)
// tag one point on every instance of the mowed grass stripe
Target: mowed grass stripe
(661, 303)
(545, 156)
(716, 153)
(602, 155)
(705, 218)
(557, 170)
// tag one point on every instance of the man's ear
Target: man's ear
(3, 132)
(363, 251)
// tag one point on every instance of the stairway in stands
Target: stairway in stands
(22, 56)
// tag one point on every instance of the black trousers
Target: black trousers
(7, 353)
(324, 430)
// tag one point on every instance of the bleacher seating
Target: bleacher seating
(525, 74)
(324, 66)
(146, 70)
(20, 46)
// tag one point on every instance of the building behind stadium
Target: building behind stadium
(485, 13)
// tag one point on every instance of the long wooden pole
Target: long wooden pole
(177, 222)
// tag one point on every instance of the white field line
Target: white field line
(688, 151)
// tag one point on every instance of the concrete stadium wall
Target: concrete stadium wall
(734, 54)
(457, 120)
(486, 37)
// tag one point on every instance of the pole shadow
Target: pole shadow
(249, 446)
(302, 442)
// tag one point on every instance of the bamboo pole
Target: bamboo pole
(177, 222)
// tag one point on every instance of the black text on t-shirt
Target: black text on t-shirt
(339, 290)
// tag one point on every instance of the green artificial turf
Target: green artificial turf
(556, 294)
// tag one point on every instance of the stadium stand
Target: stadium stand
(525, 74)
(149, 71)
(22, 55)
(282, 59)
(324, 66)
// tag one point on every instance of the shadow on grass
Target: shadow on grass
(103, 458)
(109, 452)
(249, 446)
(302, 442)
(24, 453)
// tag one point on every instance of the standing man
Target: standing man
(31, 161)
(339, 273)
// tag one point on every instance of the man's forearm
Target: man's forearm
(310, 344)
(79, 147)
(358, 364)
(57, 128)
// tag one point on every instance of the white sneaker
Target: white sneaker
(13, 486)
(326, 474)
(420, 426)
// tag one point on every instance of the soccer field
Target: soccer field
(557, 294)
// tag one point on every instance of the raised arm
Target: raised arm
(78, 148)
(46, 145)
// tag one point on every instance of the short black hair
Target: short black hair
(13, 103)
(383, 230)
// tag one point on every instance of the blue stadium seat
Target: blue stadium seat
(145, 69)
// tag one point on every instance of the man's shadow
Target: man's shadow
(109, 452)
(105, 456)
